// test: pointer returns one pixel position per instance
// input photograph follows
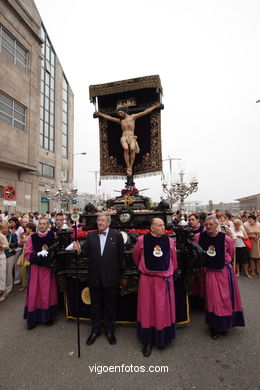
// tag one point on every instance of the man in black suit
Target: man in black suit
(104, 248)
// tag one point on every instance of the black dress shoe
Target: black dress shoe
(111, 338)
(213, 334)
(49, 323)
(147, 350)
(30, 327)
(92, 338)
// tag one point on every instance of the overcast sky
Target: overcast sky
(207, 54)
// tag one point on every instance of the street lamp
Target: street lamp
(96, 175)
(74, 161)
(82, 153)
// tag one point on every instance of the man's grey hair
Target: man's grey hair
(108, 217)
(46, 219)
(213, 217)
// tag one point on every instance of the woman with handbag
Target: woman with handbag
(242, 255)
(10, 257)
(253, 231)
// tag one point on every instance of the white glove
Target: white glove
(69, 247)
(43, 253)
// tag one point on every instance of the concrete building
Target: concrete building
(250, 203)
(36, 110)
(222, 206)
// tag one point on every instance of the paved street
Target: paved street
(46, 358)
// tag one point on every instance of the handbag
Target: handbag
(248, 243)
(10, 242)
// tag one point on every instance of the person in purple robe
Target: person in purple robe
(155, 256)
(222, 298)
(41, 304)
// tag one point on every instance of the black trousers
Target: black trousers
(103, 306)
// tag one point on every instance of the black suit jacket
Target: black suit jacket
(105, 268)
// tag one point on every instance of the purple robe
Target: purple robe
(222, 298)
(41, 304)
(156, 300)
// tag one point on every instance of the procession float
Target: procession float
(131, 212)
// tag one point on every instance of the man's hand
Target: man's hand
(157, 105)
(97, 113)
(76, 246)
(43, 253)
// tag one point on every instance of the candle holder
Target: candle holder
(63, 196)
(180, 190)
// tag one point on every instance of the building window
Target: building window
(47, 112)
(13, 49)
(64, 175)
(46, 170)
(65, 118)
(12, 112)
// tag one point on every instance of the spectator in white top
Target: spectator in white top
(242, 255)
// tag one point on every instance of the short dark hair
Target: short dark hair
(202, 217)
(252, 216)
(31, 226)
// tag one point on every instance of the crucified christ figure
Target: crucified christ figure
(128, 139)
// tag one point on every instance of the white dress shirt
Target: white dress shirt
(102, 240)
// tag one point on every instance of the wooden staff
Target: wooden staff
(75, 218)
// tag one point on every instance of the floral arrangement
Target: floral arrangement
(84, 234)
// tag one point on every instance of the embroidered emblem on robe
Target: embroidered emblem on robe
(157, 251)
(211, 251)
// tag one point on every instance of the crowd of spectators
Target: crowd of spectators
(14, 232)
(243, 227)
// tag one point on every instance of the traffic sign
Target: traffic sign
(10, 192)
